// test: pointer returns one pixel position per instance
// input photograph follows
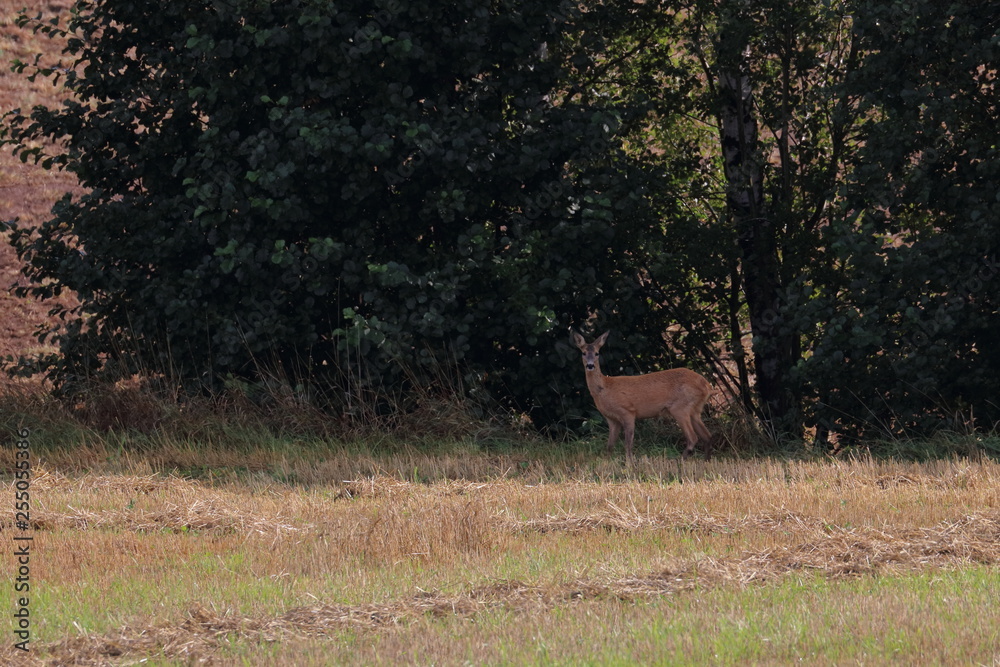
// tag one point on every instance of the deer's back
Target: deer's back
(648, 395)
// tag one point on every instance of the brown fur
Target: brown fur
(624, 399)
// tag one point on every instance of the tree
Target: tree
(764, 79)
(344, 195)
(909, 339)
(748, 136)
(351, 197)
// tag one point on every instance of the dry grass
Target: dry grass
(371, 555)
(377, 554)
(189, 507)
(833, 553)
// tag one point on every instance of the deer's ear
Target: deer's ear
(603, 339)
(577, 339)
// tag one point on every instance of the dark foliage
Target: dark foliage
(909, 323)
(362, 198)
(335, 194)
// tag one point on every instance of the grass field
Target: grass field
(324, 552)
(164, 535)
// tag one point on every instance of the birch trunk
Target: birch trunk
(774, 349)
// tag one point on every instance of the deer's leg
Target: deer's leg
(703, 433)
(614, 428)
(683, 417)
(629, 437)
(700, 427)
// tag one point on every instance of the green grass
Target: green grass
(927, 618)
(719, 569)
(236, 538)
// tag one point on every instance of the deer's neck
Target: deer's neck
(596, 380)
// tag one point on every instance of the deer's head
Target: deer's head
(590, 351)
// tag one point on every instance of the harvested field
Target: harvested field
(196, 544)
(206, 572)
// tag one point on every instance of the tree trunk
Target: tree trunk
(774, 346)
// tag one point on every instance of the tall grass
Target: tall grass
(116, 427)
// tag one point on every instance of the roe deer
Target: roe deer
(625, 398)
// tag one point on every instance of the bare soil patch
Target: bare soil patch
(27, 191)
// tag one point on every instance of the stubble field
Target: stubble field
(330, 553)
(472, 557)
